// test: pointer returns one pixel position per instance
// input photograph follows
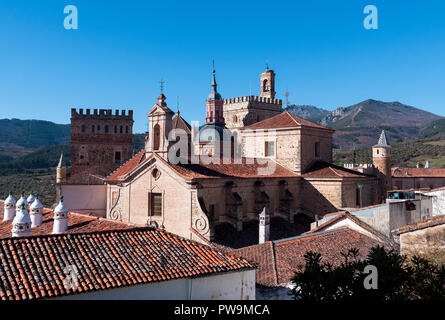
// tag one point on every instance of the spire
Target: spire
(214, 95)
(60, 161)
(383, 141)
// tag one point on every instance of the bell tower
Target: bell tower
(267, 84)
(381, 158)
(160, 124)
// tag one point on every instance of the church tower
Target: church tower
(214, 104)
(267, 83)
(160, 125)
(381, 157)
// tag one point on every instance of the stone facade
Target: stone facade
(100, 141)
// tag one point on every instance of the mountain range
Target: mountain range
(359, 125)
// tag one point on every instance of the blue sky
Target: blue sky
(319, 49)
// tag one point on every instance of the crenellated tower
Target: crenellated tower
(100, 141)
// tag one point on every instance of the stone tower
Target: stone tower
(100, 141)
(267, 83)
(243, 111)
(381, 157)
(160, 125)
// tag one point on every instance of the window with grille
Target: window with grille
(156, 204)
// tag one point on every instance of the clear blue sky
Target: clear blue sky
(319, 49)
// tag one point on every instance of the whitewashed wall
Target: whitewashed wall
(438, 201)
(225, 286)
(85, 198)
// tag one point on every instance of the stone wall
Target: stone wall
(96, 137)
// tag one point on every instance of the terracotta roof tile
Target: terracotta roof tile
(285, 120)
(32, 267)
(178, 122)
(418, 172)
(127, 167)
(322, 169)
(283, 257)
(430, 222)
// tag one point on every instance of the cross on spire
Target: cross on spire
(162, 82)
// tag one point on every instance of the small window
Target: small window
(269, 148)
(83, 128)
(121, 129)
(156, 204)
(358, 198)
(117, 157)
(92, 128)
(378, 151)
(317, 149)
(115, 129)
(98, 129)
(126, 129)
(106, 129)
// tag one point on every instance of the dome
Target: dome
(36, 205)
(31, 198)
(214, 96)
(10, 199)
(22, 216)
(212, 131)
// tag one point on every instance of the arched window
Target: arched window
(156, 137)
(126, 129)
(83, 128)
(115, 129)
(92, 128)
(106, 128)
(121, 129)
(265, 85)
(98, 129)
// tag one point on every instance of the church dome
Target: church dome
(212, 131)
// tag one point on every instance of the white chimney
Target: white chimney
(36, 213)
(21, 201)
(60, 218)
(21, 225)
(264, 226)
(9, 207)
(30, 199)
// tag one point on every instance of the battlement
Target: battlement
(253, 99)
(101, 114)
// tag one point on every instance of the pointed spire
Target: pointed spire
(214, 95)
(60, 165)
(383, 141)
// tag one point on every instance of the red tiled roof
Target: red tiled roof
(248, 168)
(32, 267)
(285, 120)
(179, 123)
(127, 167)
(430, 222)
(278, 260)
(244, 169)
(418, 172)
(77, 223)
(321, 169)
